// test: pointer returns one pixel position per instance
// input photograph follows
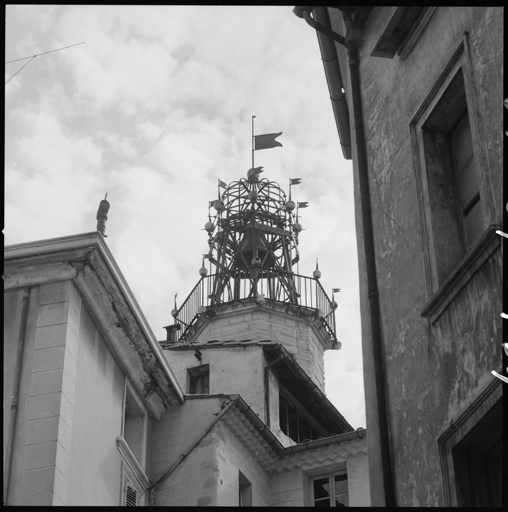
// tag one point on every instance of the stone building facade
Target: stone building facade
(229, 410)
(417, 97)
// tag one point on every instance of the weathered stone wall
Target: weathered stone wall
(71, 403)
(232, 370)
(433, 369)
(42, 444)
(97, 422)
(195, 482)
(232, 458)
(301, 336)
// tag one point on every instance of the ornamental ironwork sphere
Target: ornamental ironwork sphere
(254, 228)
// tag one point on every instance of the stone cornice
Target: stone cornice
(88, 262)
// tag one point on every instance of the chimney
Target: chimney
(102, 216)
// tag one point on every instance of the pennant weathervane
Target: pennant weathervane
(266, 141)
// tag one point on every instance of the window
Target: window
(330, 490)
(477, 463)
(466, 183)
(199, 380)
(244, 491)
(135, 425)
(131, 496)
(453, 184)
(294, 424)
(454, 197)
(470, 452)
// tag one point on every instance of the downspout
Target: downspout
(153, 488)
(369, 252)
(15, 390)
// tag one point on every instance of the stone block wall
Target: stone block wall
(301, 336)
(287, 489)
(358, 480)
(47, 426)
(195, 480)
(233, 457)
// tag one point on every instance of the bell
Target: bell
(253, 249)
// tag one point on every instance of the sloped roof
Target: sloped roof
(292, 376)
(266, 449)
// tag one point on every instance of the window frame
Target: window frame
(464, 209)
(458, 430)
(442, 283)
(129, 479)
(139, 449)
(197, 372)
(301, 413)
(331, 480)
(244, 491)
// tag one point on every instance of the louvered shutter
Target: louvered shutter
(131, 496)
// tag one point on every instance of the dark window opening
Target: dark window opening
(330, 491)
(134, 427)
(453, 190)
(477, 463)
(244, 491)
(199, 380)
(293, 424)
(466, 184)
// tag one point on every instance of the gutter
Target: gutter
(335, 84)
(374, 340)
(326, 441)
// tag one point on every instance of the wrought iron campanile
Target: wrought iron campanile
(253, 234)
(253, 243)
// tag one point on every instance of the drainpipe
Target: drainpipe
(369, 252)
(153, 488)
(15, 390)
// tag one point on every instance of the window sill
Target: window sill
(142, 481)
(476, 257)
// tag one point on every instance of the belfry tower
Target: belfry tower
(248, 297)
(253, 248)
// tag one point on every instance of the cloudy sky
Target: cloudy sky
(152, 109)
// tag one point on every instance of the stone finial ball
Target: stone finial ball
(316, 274)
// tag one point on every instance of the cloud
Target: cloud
(153, 108)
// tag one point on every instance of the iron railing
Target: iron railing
(254, 283)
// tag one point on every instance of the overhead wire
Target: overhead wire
(37, 55)
(20, 69)
(44, 53)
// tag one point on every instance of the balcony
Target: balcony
(256, 284)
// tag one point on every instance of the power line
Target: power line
(33, 57)
(20, 69)
(44, 53)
